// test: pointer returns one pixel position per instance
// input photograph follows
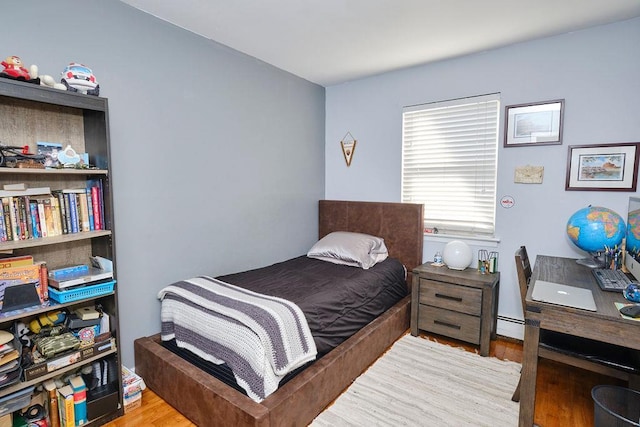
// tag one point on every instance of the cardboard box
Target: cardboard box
(130, 405)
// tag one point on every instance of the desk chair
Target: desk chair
(608, 359)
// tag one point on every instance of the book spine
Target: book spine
(65, 405)
(54, 418)
(44, 281)
(3, 227)
(73, 208)
(23, 218)
(80, 403)
(7, 218)
(95, 200)
(16, 261)
(15, 222)
(48, 215)
(92, 224)
(57, 221)
(43, 220)
(83, 212)
(64, 219)
(35, 221)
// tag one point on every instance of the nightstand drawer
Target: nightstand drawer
(450, 323)
(451, 297)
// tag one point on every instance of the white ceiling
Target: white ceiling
(332, 41)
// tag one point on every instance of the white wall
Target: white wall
(595, 71)
(218, 158)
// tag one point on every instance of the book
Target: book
(23, 218)
(23, 275)
(65, 406)
(64, 220)
(82, 278)
(25, 192)
(16, 261)
(73, 210)
(7, 218)
(35, 220)
(79, 400)
(98, 203)
(87, 313)
(3, 227)
(57, 218)
(15, 226)
(83, 211)
(44, 280)
(92, 223)
(48, 215)
(14, 187)
(50, 387)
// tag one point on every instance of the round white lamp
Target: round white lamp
(457, 255)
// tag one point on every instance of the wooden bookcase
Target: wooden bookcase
(30, 113)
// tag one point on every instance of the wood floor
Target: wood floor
(563, 394)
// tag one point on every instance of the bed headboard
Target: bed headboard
(400, 224)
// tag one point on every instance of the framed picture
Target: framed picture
(533, 124)
(607, 167)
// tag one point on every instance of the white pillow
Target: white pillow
(347, 248)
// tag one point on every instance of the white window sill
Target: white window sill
(491, 242)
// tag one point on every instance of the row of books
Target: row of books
(67, 402)
(39, 212)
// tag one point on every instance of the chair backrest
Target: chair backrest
(523, 267)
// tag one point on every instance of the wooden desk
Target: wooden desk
(604, 325)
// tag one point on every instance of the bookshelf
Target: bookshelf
(28, 114)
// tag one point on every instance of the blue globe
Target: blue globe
(633, 231)
(592, 228)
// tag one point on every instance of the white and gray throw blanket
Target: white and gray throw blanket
(260, 337)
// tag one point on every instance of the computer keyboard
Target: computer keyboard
(611, 280)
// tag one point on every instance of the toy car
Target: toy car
(79, 78)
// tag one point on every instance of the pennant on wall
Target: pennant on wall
(348, 147)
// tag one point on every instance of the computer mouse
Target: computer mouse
(631, 310)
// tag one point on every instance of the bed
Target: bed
(205, 400)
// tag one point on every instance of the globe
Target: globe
(633, 231)
(593, 228)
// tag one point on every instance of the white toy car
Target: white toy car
(79, 78)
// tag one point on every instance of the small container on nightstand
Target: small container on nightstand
(461, 304)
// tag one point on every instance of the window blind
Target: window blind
(449, 155)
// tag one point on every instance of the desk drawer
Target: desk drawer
(450, 296)
(450, 323)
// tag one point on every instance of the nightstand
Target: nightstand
(460, 304)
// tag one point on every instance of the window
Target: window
(449, 163)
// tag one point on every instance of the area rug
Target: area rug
(418, 382)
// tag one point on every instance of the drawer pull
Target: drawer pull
(449, 297)
(448, 325)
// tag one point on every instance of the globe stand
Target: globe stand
(593, 262)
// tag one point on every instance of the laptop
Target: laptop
(568, 296)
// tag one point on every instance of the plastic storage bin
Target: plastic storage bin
(615, 406)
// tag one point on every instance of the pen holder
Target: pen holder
(613, 260)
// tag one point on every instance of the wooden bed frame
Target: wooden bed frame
(207, 401)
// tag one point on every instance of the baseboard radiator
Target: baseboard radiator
(510, 327)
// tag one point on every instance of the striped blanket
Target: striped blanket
(261, 338)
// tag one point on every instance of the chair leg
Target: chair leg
(516, 393)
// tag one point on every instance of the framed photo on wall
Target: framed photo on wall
(606, 167)
(537, 123)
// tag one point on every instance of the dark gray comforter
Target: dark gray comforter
(337, 300)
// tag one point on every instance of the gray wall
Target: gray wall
(218, 158)
(595, 71)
